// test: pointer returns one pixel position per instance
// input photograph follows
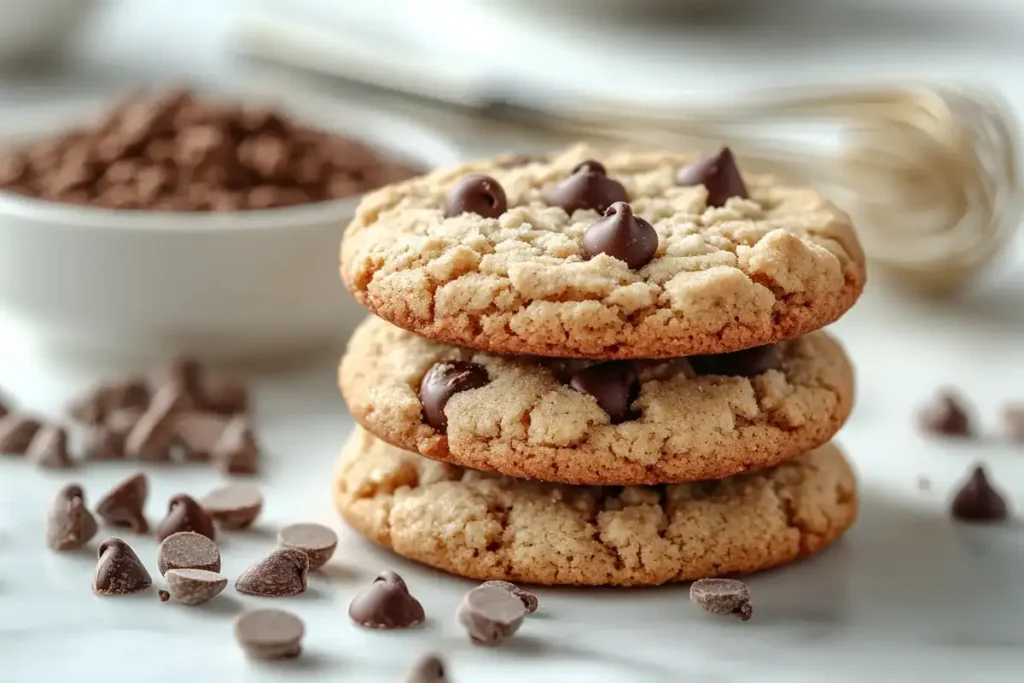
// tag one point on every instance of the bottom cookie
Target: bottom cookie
(484, 526)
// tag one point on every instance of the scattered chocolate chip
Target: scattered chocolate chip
(621, 235)
(477, 194)
(235, 506)
(722, 596)
(529, 600)
(615, 386)
(280, 574)
(119, 570)
(745, 363)
(270, 634)
(16, 433)
(163, 595)
(978, 501)
(69, 524)
(1013, 419)
(94, 406)
(49, 448)
(718, 173)
(224, 395)
(237, 451)
(182, 378)
(946, 416)
(155, 431)
(198, 433)
(491, 614)
(427, 668)
(188, 550)
(124, 505)
(194, 586)
(316, 540)
(442, 381)
(101, 443)
(386, 604)
(185, 514)
(589, 187)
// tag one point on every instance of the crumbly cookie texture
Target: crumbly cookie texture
(526, 422)
(490, 527)
(754, 271)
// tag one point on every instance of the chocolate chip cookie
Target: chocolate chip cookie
(586, 422)
(490, 527)
(605, 254)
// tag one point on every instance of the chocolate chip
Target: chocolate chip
(95, 405)
(528, 599)
(442, 381)
(1013, 420)
(182, 378)
(946, 416)
(316, 540)
(386, 604)
(614, 385)
(185, 514)
(427, 668)
(163, 595)
(978, 501)
(69, 524)
(236, 452)
(270, 634)
(101, 443)
(49, 448)
(16, 433)
(235, 506)
(224, 395)
(589, 187)
(745, 363)
(188, 550)
(125, 503)
(491, 614)
(718, 173)
(621, 235)
(194, 586)
(119, 570)
(154, 433)
(722, 596)
(280, 574)
(198, 433)
(477, 194)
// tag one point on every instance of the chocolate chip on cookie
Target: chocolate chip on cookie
(718, 173)
(614, 385)
(978, 501)
(621, 235)
(386, 604)
(442, 381)
(946, 416)
(746, 363)
(477, 194)
(589, 187)
(722, 596)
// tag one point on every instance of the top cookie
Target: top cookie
(539, 257)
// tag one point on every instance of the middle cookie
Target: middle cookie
(581, 422)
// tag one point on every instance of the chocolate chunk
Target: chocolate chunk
(194, 586)
(124, 505)
(615, 385)
(745, 363)
(270, 634)
(477, 194)
(69, 524)
(119, 570)
(491, 615)
(978, 501)
(718, 173)
(156, 430)
(49, 448)
(1013, 420)
(236, 452)
(316, 540)
(722, 596)
(280, 574)
(224, 395)
(185, 514)
(621, 235)
(198, 433)
(428, 668)
(386, 604)
(16, 433)
(235, 506)
(528, 599)
(188, 550)
(946, 416)
(589, 187)
(442, 381)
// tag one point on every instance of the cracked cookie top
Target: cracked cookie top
(490, 527)
(602, 254)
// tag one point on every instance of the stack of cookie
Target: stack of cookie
(600, 367)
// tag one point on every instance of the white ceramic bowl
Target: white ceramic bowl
(235, 286)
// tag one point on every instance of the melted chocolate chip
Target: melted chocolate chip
(477, 194)
(745, 363)
(444, 380)
(615, 385)
(621, 235)
(718, 173)
(978, 501)
(589, 187)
